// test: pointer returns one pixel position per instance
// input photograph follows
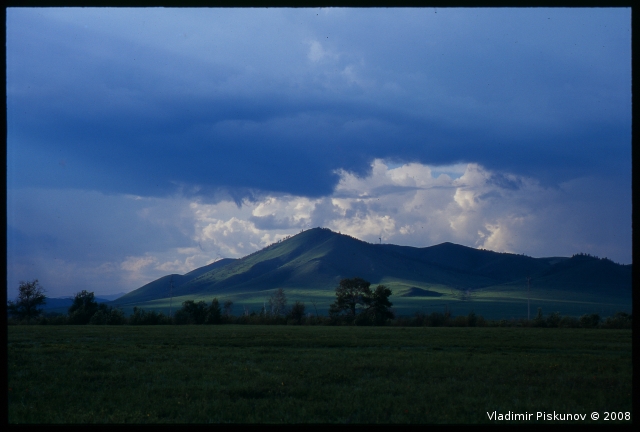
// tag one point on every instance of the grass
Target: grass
(492, 302)
(298, 374)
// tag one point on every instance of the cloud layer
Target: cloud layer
(146, 102)
(411, 204)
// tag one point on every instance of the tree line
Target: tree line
(356, 304)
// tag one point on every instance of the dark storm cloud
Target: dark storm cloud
(102, 223)
(509, 89)
(505, 182)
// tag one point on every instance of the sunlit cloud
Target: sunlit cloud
(410, 204)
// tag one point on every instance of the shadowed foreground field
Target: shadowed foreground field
(291, 374)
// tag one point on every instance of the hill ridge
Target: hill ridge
(318, 258)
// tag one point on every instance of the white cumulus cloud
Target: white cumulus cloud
(410, 204)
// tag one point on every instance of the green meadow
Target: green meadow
(499, 302)
(312, 374)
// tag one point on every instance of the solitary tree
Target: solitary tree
(30, 296)
(349, 294)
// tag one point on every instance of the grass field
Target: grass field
(301, 374)
(498, 302)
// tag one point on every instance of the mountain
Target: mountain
(317, 259)
(161, 288)
(109, 297)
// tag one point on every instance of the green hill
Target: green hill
(161, 288)
(309, 265)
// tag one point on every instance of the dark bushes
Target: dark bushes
(85, 310)
(141, 317)
(108, 316)
(621, 320)
(83, 307)
(589, 320)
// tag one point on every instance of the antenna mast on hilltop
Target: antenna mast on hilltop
(171, 294)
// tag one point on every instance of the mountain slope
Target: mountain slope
(161, 288)
(318, 258)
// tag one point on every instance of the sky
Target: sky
(144, 142)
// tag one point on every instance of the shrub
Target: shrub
(436, 319)
(472, 319)
(58, 320)
(296, 314)
(363, 319)
(421, 319)
(98, 318)
(539, 321)
(621, 320)
(568, 322)
(141, 317)
(460, 321)
(181, 317)
(553, 320)
(589, 320)
(116, 317)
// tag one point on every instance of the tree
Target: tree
(30, 296)
(380, 306)
(197, 312)
(553, 319)
(349, 294)
(619, 320)
(278, 302)
(589, 320)
(297, 312)
(355, 299)
(142, 317)
(214, 315)
(181, 317)
(83, 307)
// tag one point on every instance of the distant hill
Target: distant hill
(109, 297)
(161, 288)
(317, 259)
(65, 302)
